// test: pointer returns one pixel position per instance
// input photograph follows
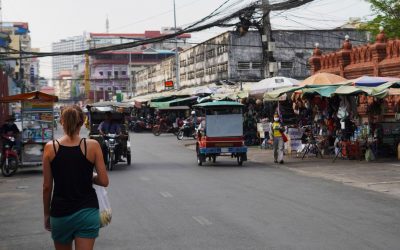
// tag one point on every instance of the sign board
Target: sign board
(295, 135)
(169, 84)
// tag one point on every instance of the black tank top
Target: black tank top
(72, 174)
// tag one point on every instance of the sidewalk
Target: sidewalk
(379, 176)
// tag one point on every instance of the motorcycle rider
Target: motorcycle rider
(10, 129)
(109, 127)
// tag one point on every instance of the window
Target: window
(200, 73)
(210, 53)
(286, 65)
(101, 73)
(116, 74)
(109, 74)
(200, 57)
(190, 60)
(243, 65)
(221, 49)
(256, 65)
(123, 73)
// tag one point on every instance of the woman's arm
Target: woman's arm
(47, 184)
(101, 178)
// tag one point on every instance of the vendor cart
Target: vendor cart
(220, 132)
(37, 125)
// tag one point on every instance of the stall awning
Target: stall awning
(275, 94)
(322, 91)
(36, 96)
(175, 102)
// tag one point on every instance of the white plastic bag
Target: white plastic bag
(104, 205)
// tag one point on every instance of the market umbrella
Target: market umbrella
(373, 81)
(323, 79)
(273, 83)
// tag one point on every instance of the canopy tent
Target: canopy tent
(323, 79)
(372, 81)
(35, 96)
(273, 83)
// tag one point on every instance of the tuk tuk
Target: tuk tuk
(220, 132)
(37, 128)
(113, 145)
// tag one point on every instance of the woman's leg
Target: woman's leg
(60, 246)
(84, 243)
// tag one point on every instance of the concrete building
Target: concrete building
(63, 63)
(229, 56)
(63, 85)
(113, 71)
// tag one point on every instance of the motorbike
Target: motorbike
(111, 143)
(139, 125)
(163, 127)
(186, 130)
(9, 157)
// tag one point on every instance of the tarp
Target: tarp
(175, 102)
(273, 83)
(36, 96)
(372, 81)
(275, 94)
(325, 91)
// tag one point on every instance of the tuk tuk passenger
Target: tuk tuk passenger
(109, 127)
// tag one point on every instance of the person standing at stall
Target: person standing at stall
(276, 137)
(71, 211)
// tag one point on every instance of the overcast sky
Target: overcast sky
(51, 20)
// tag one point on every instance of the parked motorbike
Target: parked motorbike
(140, 125)
(163, 127)
(186, 130)
(9, 157)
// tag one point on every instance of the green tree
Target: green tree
(387, 15)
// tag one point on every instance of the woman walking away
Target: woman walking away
(72, 212)
(276, 135)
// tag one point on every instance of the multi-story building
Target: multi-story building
(112, 71)
(236, 58)
(20, 40)
(63, 85)
(63, 63)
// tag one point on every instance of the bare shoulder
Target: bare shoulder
(92, 143)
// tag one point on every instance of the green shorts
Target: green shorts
(83, 224)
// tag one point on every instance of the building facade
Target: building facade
(113, 71)
(236, 58)
(63, 63)
(381, 58)
(63, 86)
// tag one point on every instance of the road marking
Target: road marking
(144, 179)
(166, 194)
(383, 183)
(202, 220)
(396, 165)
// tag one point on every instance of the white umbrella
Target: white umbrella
(273, 83)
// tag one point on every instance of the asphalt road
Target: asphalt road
(165, 201)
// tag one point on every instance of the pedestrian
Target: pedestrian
(71, 209)
(276, 136)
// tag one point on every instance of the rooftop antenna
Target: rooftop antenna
(107, 24)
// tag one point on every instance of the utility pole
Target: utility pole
(177, 70)
(266, 37)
